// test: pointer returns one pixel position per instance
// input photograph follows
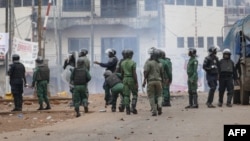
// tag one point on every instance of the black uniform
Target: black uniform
(227, 75)
(211, 65)
(17, 82)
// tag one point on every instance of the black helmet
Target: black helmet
(129, 53)
(80, 62)
(212, 50)
(157, 52)
(15, 57)
(39, 60)
(124, 52)
(162, 54)
(192, 51)
(83, 52)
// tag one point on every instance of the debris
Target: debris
(35, 118)
(103, 110)
(49, 117)
(177, 137)
(5, 137)
(10, 104)
(150, 133)
(48, 134)
(34, 131)
(116, 138)
(20, 116)
(122, 119)
(10, 114)
(132, 132)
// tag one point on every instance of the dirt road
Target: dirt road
(175, 124)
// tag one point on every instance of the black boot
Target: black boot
(121, 108)
(85, 105)
(133, 110)
(195, 97)
(128, 110)
(229, 99)
(48, 106)
(77, 112)
(159, 110)
(15, 104)
(221, 95)
(40, 107)
(190, 101)
(113, 109)
(168, 104)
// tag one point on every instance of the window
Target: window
(76, 5)
(190, 42)
(220, 42)
(209, 2)
(76, 44)
(180, 2)
(200, 42)
(180, 42)
(219, 3)
(170, 2)
(199, 2)
(2, 3)
(118, 8)
(190, 2)
(210, 41)
(151, 5)
(119, 44)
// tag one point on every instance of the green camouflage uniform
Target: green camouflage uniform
(192, 80)
(154, 83)
(128, 66)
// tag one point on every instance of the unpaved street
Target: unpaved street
(175, 124)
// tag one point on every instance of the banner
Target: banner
(27, 52)
(4, 43)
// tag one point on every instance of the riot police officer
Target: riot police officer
(154, 77)
(192, 79)
(80, 77)
(114, 82)
(71, 60)
(110, 65)
(211, 65)
(130, 82)
(40, 80)
(227, 75)
(16, 73)
(167, 67)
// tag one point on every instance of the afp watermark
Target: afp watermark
(236, 132)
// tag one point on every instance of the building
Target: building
(172, 25)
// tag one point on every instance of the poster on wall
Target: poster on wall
(27, 51)
(4, 46)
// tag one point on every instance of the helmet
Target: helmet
(110, 51)
(151, 50)
(39, 60)
(129, 53)
(192, 51)
(84, 52)
(226, 51)
(124, 52)
(107, 73)
(213, 49)
(80, 62)
(15, 57)
(157, 52)
(162, 54)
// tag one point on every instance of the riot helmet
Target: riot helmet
(212, 50)
(107, 73)
(192, 52)
(39, 60)
(226, 53)
(83, 52)
(129, 53)
(15, 57)
(151, 50)
(110, 52)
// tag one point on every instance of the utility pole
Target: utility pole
(6, 31)
(39, 25)
(161, 28)
(92, 30)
